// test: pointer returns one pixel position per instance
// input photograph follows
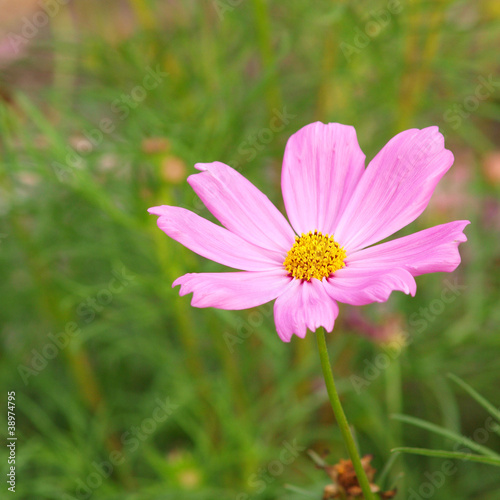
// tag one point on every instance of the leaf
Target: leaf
(494, 412)
(382, 477)
(301, 491)
(436, 429)
(448, 454)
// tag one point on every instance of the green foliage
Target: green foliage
(119, 382)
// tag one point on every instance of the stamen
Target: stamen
(314, 255)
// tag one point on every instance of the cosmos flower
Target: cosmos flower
(337, 211)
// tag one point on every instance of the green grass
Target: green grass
(236, 393)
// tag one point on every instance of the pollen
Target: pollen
(314, 255)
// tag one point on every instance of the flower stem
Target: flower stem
(340, 416)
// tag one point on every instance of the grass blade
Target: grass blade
(436, 429)
(382, 477)
(494, 412)
(296, 489)
(448, 454)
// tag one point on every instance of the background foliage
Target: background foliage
(85, 153)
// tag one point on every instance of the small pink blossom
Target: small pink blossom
(337, 211)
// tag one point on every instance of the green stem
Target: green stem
(340, 416)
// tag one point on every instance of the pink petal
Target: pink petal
(214, 242)
(395, 188)
(429, 251)
(321, 168)
(363, 286)
(304, 305)
(241, 207)
(240, 290)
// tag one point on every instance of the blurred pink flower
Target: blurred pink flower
(8, 53)
(491, 166)
(453, 196)
(338, 208)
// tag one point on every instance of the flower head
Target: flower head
(345, 482)
(337, 211)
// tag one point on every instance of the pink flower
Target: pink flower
(337, 210)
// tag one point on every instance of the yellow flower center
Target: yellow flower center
(314, 255)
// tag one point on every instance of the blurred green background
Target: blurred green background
(123, 390)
